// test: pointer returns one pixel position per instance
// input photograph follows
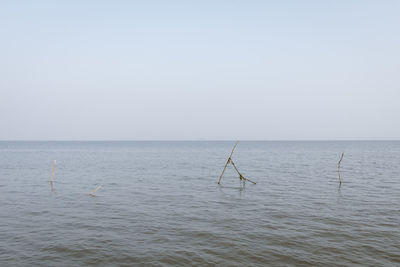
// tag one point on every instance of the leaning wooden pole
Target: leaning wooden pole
(52, 171)
(338, 166)
(227, 162)
(241, 177)
(94, 191)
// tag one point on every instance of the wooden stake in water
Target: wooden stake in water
(338, 169)
(241, 177)
(52, 171)
(94, 191)
(227, 162)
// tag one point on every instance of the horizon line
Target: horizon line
(192, 140)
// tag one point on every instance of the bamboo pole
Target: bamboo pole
(340, 160)
(241, 177)
(94, 191)
(227, 162)
(52, 171)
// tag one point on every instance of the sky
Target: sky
(199, 70)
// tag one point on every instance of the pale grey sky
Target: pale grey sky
(144, 70)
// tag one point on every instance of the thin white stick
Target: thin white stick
(52, 171)
(94, 191)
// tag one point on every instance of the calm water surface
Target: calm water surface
(160, 204)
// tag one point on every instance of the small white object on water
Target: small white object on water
(94, 191)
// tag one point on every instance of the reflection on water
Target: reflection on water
(160, 204)
(52, 188)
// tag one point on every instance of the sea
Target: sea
(160, 203)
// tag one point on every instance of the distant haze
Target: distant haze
(172, 70)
